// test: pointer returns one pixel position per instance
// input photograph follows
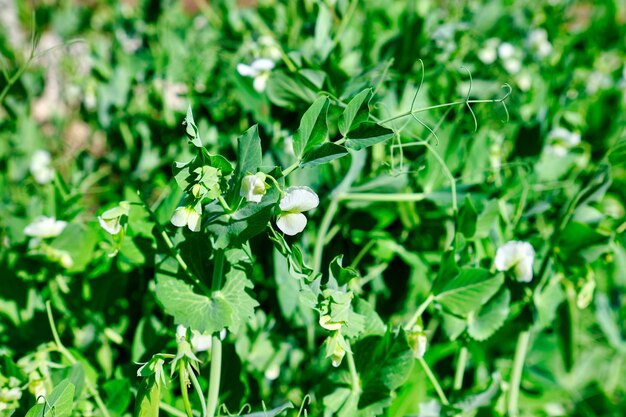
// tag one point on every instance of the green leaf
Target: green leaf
(59, 403)
(284, 90)
(192, 129)
(367, 134)
(230, 307)
(313, 129)
(491, 317)
(468, 218)
(148, 399)
(470, 289)
(356, 112)
(394, 360)
(323, 153)
(249, 158)
(117, 395)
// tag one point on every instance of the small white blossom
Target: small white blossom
(45, 227)
(296, 200)
(253, 187)
(259, 70)
(40, 167)
(538, 42)
(199, 342)
(560, 140)
(506, 50)
(489, 53)
(422, 342)
(111, 220)
(518, 256)
(187, 216)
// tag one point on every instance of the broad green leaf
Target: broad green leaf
(356, 112)
(468, 218)
(230, 307)
(284, 90)
(367, 134)
(393, 358)
(59, 403)
(79, 242)
(491, 317)
(148, 399)
(323, 153)
(469, 290)
(313, 129)
(117, 395)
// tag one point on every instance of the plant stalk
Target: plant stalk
(523, 341)
(460, 369)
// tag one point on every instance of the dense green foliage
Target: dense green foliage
(340, 207)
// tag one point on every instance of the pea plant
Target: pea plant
(316, 208)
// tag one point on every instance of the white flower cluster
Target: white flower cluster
(260, 70)
(561, 140)
(539, 43)
(518, 257)
(41, 168)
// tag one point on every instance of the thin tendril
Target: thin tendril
(467, 98)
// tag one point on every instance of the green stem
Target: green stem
(321, 234)
(66, 353)
(290, 168)
(198, 388)
(356, 383)
(362, 253)
(216, 343)
(439, 106)
(223, 203)
(215, 375)
(183, 388)
(523, 341)
(460, 369)
(382, 196)
(419, 312)
(218, 270)
(433, 380)
(171, 410)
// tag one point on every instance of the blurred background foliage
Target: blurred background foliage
(102, 88)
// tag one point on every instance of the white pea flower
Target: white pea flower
(296, 200)
(45, 227)
(489, 53)
(420, 347)
(259, 70)
(40, 167)
(111, 220)
(199, 342)
(510, 58)
(187, 216)
(253, 187)
(538, 41)
(518, 256)
(561, 140)
(506, 50)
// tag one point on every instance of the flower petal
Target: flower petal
(246, 70)
(299, 199)
(262, 64)
(260, 82)
(291, 223)
(179, 219)
(112, 226)
(194, 220)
